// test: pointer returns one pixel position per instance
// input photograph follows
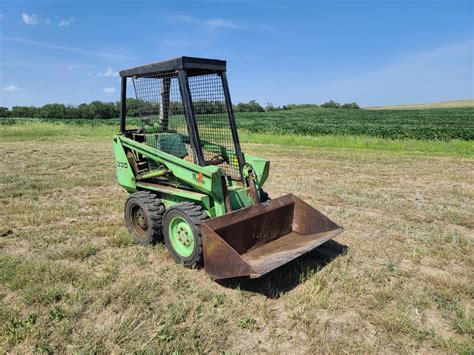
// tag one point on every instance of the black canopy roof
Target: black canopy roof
(193, 65)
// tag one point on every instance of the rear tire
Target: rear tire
(144, 217)
(182, 232)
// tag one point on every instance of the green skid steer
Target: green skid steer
(190, 183)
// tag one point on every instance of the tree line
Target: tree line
(107, 110)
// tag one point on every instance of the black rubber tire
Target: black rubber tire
(153, 210)
(194, 214)
(264, 196)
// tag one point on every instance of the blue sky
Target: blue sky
(372, 52)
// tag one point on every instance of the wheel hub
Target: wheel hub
(139, 221)
(181, 236)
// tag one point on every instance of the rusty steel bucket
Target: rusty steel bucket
(255, 240)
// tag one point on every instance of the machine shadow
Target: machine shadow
(287, 277)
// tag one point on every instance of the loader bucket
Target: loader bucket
(255, 240)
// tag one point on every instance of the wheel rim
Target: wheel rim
(139, 221)
(181, 236)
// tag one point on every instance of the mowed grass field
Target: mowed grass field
(442, 104)
(399, 279)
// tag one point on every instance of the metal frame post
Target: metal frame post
(190, 117)
(123, 104)
(165, 102)
(233, 126)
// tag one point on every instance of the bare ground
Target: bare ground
(399, 279)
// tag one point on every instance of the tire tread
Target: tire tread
(156, 209)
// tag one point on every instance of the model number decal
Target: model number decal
(122, 165)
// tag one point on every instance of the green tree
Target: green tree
(52, 111)
(103, 110)
(132, 107)
(352, 105)
(331, 104)
(251, 106)
(24, 112)
(4, 112)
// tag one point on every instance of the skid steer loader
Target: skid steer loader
(191, 184)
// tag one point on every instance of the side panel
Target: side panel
(204, 179)
(240, 198)
(124, 172)
(260, 166)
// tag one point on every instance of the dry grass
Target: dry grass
(398, 280)
(442, 104)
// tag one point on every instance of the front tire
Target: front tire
(182, 232)
(144, 217)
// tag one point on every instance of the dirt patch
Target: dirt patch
(5, 232)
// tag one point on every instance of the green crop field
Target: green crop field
(428, 124)
(454, 123)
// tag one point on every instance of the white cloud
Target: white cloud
(186, 18)
(218, 22)
(33, 20)
(12, 88)
(30, 20)
(209, 24)
(109, 72)
(66, 23)
(109, 90)
(65, 48)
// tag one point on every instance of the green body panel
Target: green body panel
(205, 181)
(182, 169)
(124, 173)
(240, 198)
(225, 153)
(260, 166)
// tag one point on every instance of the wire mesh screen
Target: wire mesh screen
(162, 114)
(209, 104)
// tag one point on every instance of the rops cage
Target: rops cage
(186, 110)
